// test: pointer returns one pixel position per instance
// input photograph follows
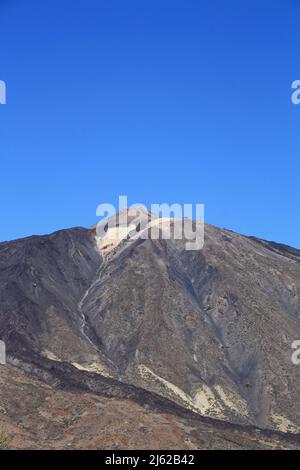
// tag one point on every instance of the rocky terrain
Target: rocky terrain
(191, 348)
(34, 415)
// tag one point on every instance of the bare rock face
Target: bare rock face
(209, 330)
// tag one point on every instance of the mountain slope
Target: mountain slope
(210, 330)
(34, 415)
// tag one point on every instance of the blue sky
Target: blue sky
(162, 100)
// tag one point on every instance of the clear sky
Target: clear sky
(184, 101)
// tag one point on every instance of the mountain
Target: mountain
(197, 339)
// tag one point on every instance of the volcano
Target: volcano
(191, 348)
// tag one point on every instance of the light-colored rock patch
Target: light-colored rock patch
(95, 367)
(204, 401)
(236, 404)
(283, 424)
(50, 355)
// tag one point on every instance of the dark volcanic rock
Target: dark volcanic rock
(34, 415)
(210, 330)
